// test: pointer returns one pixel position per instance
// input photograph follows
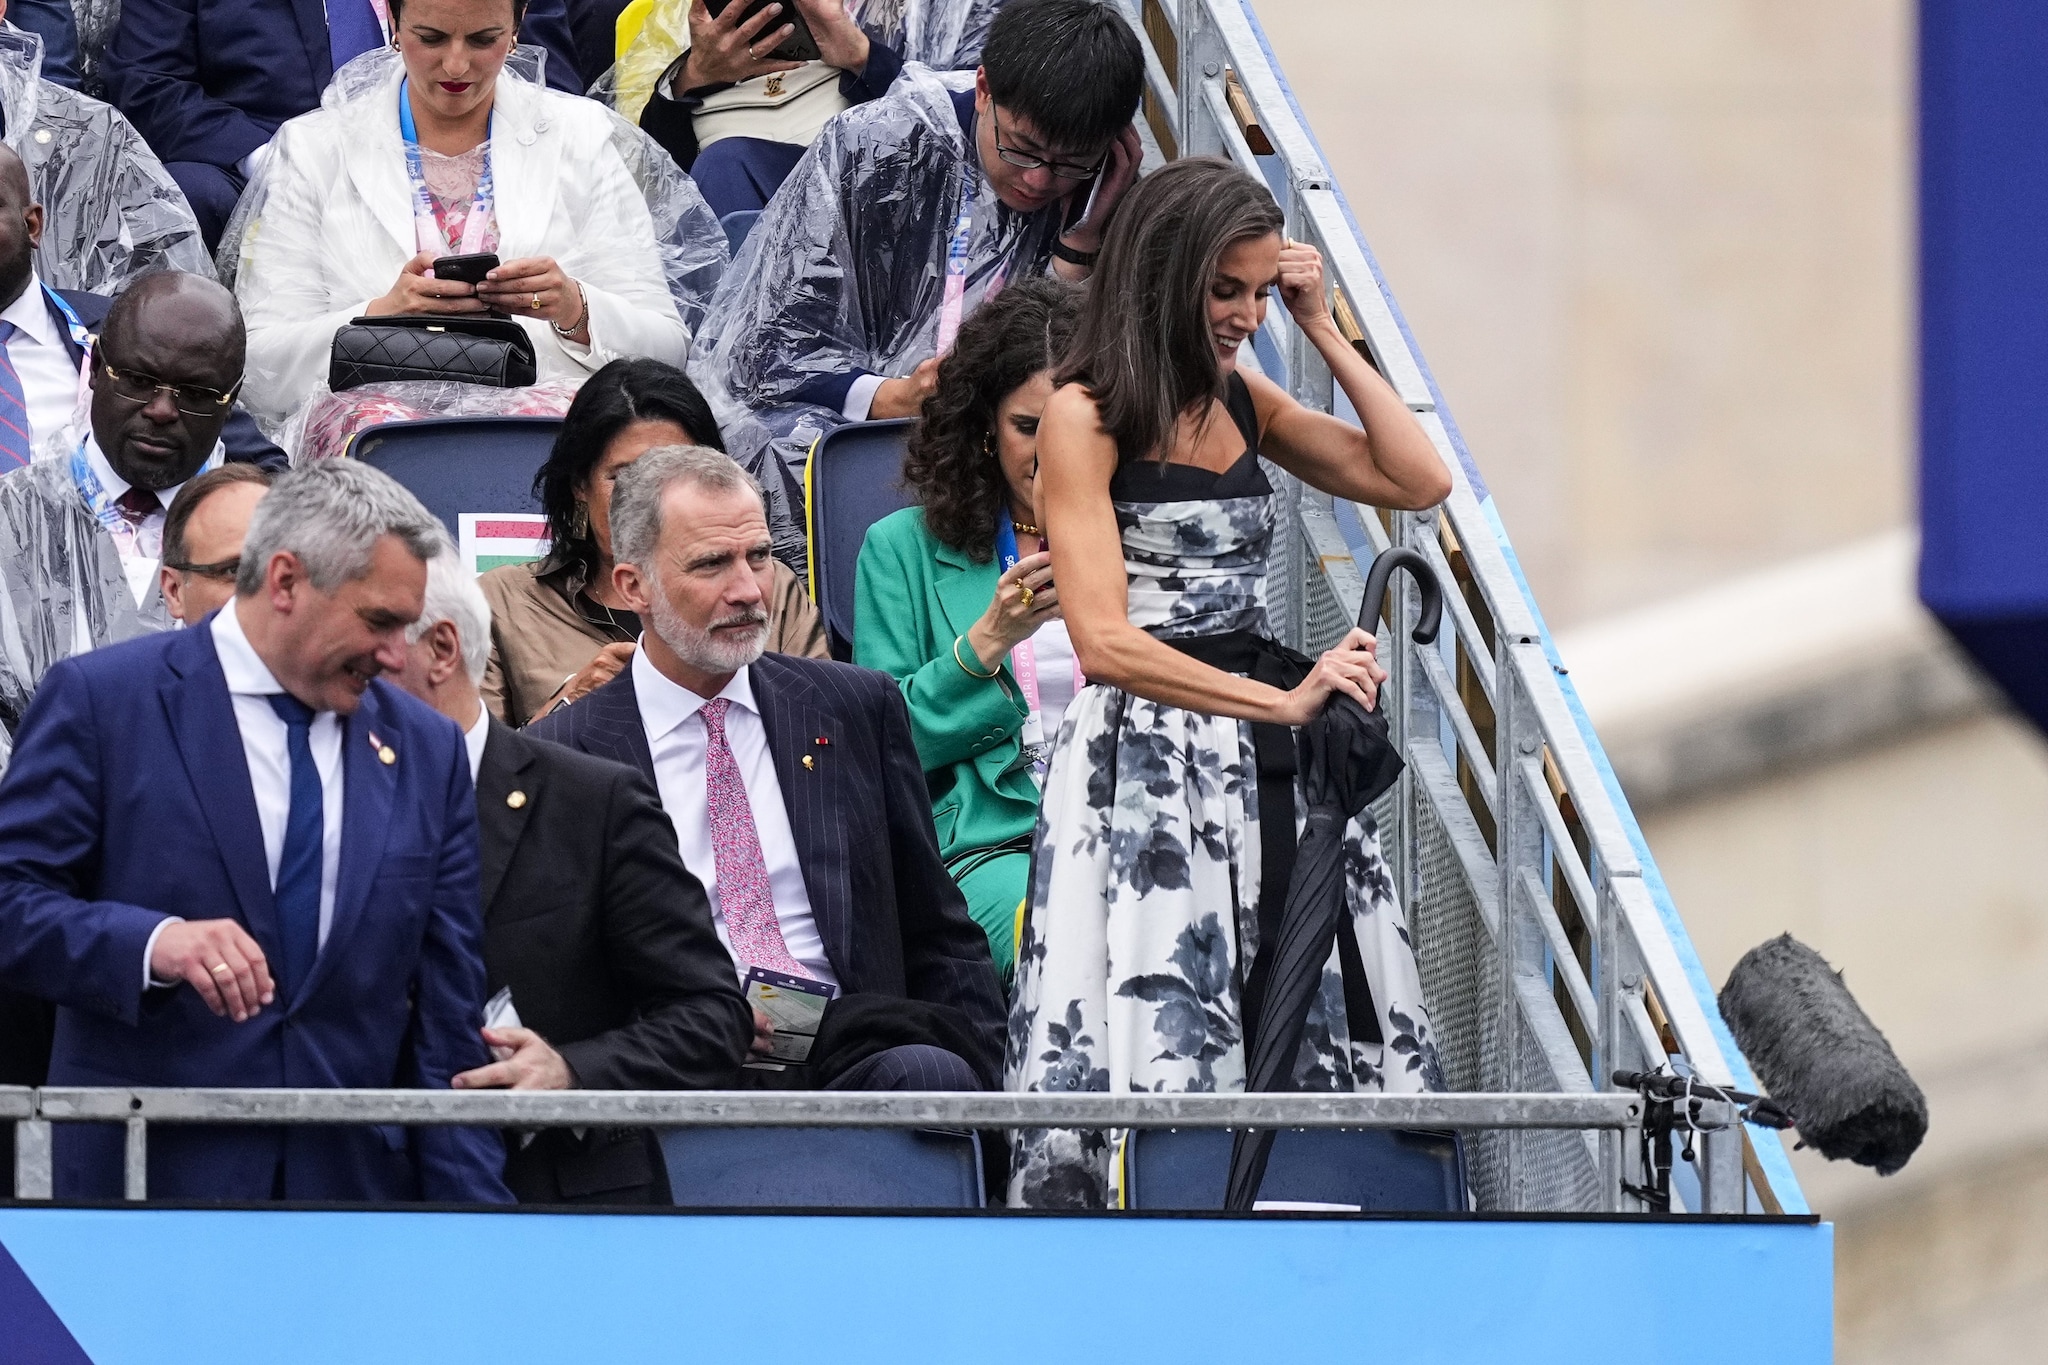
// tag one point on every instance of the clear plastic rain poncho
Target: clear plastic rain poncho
(62, 588)
(309, 246)
(847, 269)
(946, 35)
(110, 209)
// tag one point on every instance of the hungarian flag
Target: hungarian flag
(490, 540)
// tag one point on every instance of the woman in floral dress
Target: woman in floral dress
(1149, 862)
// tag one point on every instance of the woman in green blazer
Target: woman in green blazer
(954, 599)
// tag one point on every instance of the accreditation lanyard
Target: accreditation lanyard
(81, 337)
(428, 231)
(954, 307)
(101, 504)
(1024, 659)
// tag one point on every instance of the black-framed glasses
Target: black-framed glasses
(194, 400)
(1024, 161)
(224, 569)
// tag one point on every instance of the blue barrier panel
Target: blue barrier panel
(506, 1288)
(1984, 335)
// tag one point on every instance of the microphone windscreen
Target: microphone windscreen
(1818, 1054)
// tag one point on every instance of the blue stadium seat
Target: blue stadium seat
(853, 480)
(823, 1168)
(462, 464)
(1375, 1171)
(737, 225)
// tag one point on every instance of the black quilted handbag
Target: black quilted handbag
(465, 349)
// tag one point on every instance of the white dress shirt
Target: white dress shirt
(265, 749)
(677, 739)
(251, 685)
(141, 552)
(49, 376)
(474, 738)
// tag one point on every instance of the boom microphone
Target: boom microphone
(1819, 1055)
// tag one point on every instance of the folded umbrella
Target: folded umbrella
(1346, 760)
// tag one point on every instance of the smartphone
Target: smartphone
(466, 269)
(799, 46)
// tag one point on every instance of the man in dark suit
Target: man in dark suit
(233, 857)
(797, 797)
(591, 921)
(209, 81)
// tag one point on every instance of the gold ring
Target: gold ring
(1027, 594)
(536, 300)
(219, 968)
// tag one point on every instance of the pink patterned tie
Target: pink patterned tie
(743, 894)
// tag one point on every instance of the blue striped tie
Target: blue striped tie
(15, 446)
(298, 868)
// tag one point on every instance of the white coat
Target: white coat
(336, 227)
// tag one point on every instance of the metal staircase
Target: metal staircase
(1550, 950)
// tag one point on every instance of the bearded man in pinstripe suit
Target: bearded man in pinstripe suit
(796, 794)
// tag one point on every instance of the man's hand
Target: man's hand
(217, 958)
(722, 48)
(905, 397)
(764, 1036)
(533, 1065)
(1119, 173)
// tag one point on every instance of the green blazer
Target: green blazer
(914, 596)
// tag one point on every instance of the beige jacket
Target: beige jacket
(539, 640)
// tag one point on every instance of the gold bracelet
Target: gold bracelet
(963, 663)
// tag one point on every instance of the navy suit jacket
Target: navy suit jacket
(128, 800)
(893, 922)
(211, 80)
(245, 443)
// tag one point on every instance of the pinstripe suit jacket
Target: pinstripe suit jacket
(893, 922)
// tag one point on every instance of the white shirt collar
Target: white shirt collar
(665, 704)
(30, 315)
(246, 672)
(474, 737)
(103, 470)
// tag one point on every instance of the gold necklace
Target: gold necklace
(1024, 527)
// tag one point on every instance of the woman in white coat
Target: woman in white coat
(606, 248)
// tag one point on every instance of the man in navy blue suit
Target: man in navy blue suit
(233, 856)
(209, 81)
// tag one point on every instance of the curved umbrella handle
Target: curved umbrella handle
(1418, 567)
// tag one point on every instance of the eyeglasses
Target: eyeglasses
(194, 400)
(224, 569)
(1024, 161)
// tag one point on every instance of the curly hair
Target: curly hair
(951, 465)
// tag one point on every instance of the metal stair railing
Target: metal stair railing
(34, 1111)
(1551, 955)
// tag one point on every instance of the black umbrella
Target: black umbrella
(1346, 760)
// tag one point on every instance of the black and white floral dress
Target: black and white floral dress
(1146, 866)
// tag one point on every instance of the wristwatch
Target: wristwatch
(1061, 251)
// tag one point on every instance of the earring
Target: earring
(579, 524)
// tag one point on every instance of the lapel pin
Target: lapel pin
(809, 762)
(821, 741)
(515, 799)
(385, 753)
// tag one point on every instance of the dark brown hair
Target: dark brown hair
(952, 465)
(196, 491)
(1143, 348)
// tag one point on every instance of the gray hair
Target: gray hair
(330, 514)
(641, 486)
(453, 596)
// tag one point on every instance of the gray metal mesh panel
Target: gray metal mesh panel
(1324, 618)
(1459, 980)
(1557, 1171)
